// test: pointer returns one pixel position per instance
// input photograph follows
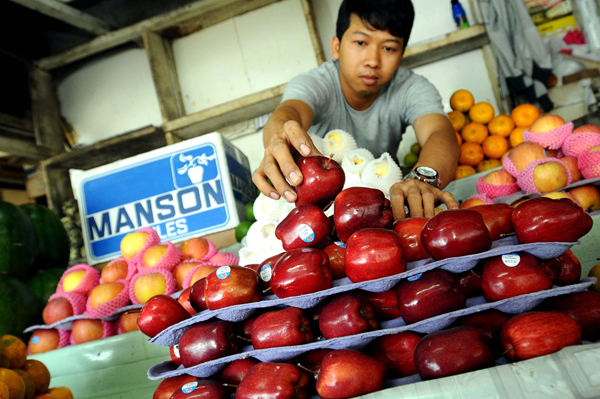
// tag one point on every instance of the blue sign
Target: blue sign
(180, 194)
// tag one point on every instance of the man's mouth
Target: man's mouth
(369, 80)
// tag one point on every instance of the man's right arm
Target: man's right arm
(285, 139)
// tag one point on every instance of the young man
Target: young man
(364, 92)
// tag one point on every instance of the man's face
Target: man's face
(368, 59)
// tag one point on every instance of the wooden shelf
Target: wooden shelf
(107, 151)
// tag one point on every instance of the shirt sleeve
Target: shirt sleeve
(313, 88)
(419, 97)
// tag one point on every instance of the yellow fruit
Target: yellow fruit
(13, 350)
(15, 384)
(72, 280)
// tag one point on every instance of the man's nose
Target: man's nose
(372, 57)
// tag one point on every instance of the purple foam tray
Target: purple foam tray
(170, 336)
(509, 199)
(518, 304)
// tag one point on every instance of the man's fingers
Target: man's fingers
(284, 163)
(272, 171)
(428, 202)
(299, 138)
(260, 180)
(415, 202)
(448, 199)
(397, 202)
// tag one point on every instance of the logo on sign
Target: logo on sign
(193, 167)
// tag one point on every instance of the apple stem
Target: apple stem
(329, 160)
(244, 339)
(390, 308)
(506, 351)
(267, 290)
(133, 311)
(307, 369)
(229, 385)
(338, 252)
(507, 234)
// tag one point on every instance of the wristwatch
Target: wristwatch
(425, 174)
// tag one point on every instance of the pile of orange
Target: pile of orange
(24, 378)
(484, 137)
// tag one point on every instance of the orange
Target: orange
(516, 136)
(495, 146)
(40, 374)
(488, 164)
(482, 113)
(525, 114)
(14, 350)
(470, 154)
(464, 171)
(474, 132)
(3, 390)
(501, 125)
(462, 100)
(61, 393)
(44, 396)
(29, 383)
(458, 120)
(458, 138)
(15, 384)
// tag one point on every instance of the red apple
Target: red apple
(168, 386)
(469, 282)
(265, 271)
(284, 327)
(194, 248)
(246, 328)
(207, 341)
(305, 226)
(571, 164)
(323, 179)
(564, 269)
(426, 295)
(385, 303)
(273, 380)
(312, 359)
(496, 218)
(184, 300)
(175, 355)
(115, 270)
(583, 307)
(196, 295)
(509, 275)
(43, 340)
(587, 128)
(396, 352)
(206, 389)
(160, 312)
(56, 310)
(337, 259)
(455, 232)
(348, 314)
(235, 371)
(452, 351)
(128, 321)
(301, 271)
(550, 220)
(534, 334)
(489, 322)
(373, 253)
(409, 231)
(360, 207)
(231, 285)
(346, 373)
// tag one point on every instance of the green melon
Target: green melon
(19, 307)
(18, 241)
(44, 283)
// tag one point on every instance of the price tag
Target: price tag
(265, 272)
(305, 233)
(189, 387)
(415, 278)
(223, 272)
(511, 260)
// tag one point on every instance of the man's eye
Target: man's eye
(360, 42)
(390, 49)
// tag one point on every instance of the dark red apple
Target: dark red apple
(168, 386)
(497, 218)
(489, 322)
(323, 179)
(273, 380)
(358, 208)
(196, 295)
(235, 371)
(184, 300)
(284, 327)
(346, 373)
(409, 231)
(207, 341)
(452, 351)
(386, 304)
(550, 220)
(455, 232)
(265, 272)
(305, 226)
(396, 351)
(509, 275)
(160, 312)
(337, 259)
(205, 389)
(246, 328)
(348, 314)
(583, 307)
(563, 270)
(301, 271)
(469, 282)
(175, 356)
(312, 359)
(373, 253)
(231, 285)
(427, 295)
(534, 334)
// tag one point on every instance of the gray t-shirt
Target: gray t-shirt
(379, 128)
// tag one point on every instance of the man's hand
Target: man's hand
(421, 198)
(279, 163)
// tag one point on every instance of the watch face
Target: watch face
(427, 172)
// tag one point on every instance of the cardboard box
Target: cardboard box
(190, 189)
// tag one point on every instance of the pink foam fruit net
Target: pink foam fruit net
(483, 197)
(589, 164)
(495, 191)
(552, 139)
(90, 279)
(109, 308)
(224, 259)
(168, 261)
(76, 300)
(510, 167)
(169, 279)
(579, 143)
(525, 179)
(131, 268)
(152, 239)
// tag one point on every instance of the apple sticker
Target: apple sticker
(265, 272)
(305, 233)
(35, 339)
(415, 278)
(223, 272)
(176, 351)
(189, 387)
(511, 260)
(340, 244)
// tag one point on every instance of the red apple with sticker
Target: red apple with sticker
(489, 322)
(201, 390)
(450, 352)
(427, 295)
(583, 307)
(361, 207)
(396, 352)
(231, 285)
(265, 272)
(284, 327)
(385, 303)
(337, 259)
(235, 371)
(301, 271)
(348, 314)
(273, 380)
(496, 218)
(159, 313)
(563, 270)
(168, 386)
(323, 179)
(373, 253)
(409, 231)
(455, 232)
(534, 334)
(305, 226)
(510, 275)
(207, 341)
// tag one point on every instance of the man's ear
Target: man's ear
(335, 48)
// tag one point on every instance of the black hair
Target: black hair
(395, 16)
